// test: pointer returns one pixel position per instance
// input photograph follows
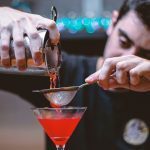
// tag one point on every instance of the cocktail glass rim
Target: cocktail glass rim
(54, 108)
(61, 108)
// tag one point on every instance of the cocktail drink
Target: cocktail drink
(59, 123)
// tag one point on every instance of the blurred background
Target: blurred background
(82, 24)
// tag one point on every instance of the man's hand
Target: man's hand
(14, 24)
(130, 72)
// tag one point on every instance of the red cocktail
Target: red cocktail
(59, 123)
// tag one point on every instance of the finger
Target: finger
(121, 72)
(143, 70)
(135, 75)
(35, 42)
(93, 78)
(122, 77)
(107, 69)
(144, 86)
(123, 67)
(50, 25)
(113, 84)
(4, 47)
(19, 49)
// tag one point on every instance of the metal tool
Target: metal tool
(61, 96)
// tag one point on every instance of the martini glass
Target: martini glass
(59, 123)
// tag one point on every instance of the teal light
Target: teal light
(66, 22)
(77, 23)
(105, 22)
(86, 21)
(90, 25)
(90, 30)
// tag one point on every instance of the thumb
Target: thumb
(92, 78)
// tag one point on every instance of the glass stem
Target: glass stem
(60, 147)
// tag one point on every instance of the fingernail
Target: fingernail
(38, 58)
(53, 26)
(21, 64)
(22, 68)
(6, 62)
(38, 62)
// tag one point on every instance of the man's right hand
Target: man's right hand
(130, 72)
(14, 24)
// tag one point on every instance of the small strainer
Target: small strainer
(61, 96)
